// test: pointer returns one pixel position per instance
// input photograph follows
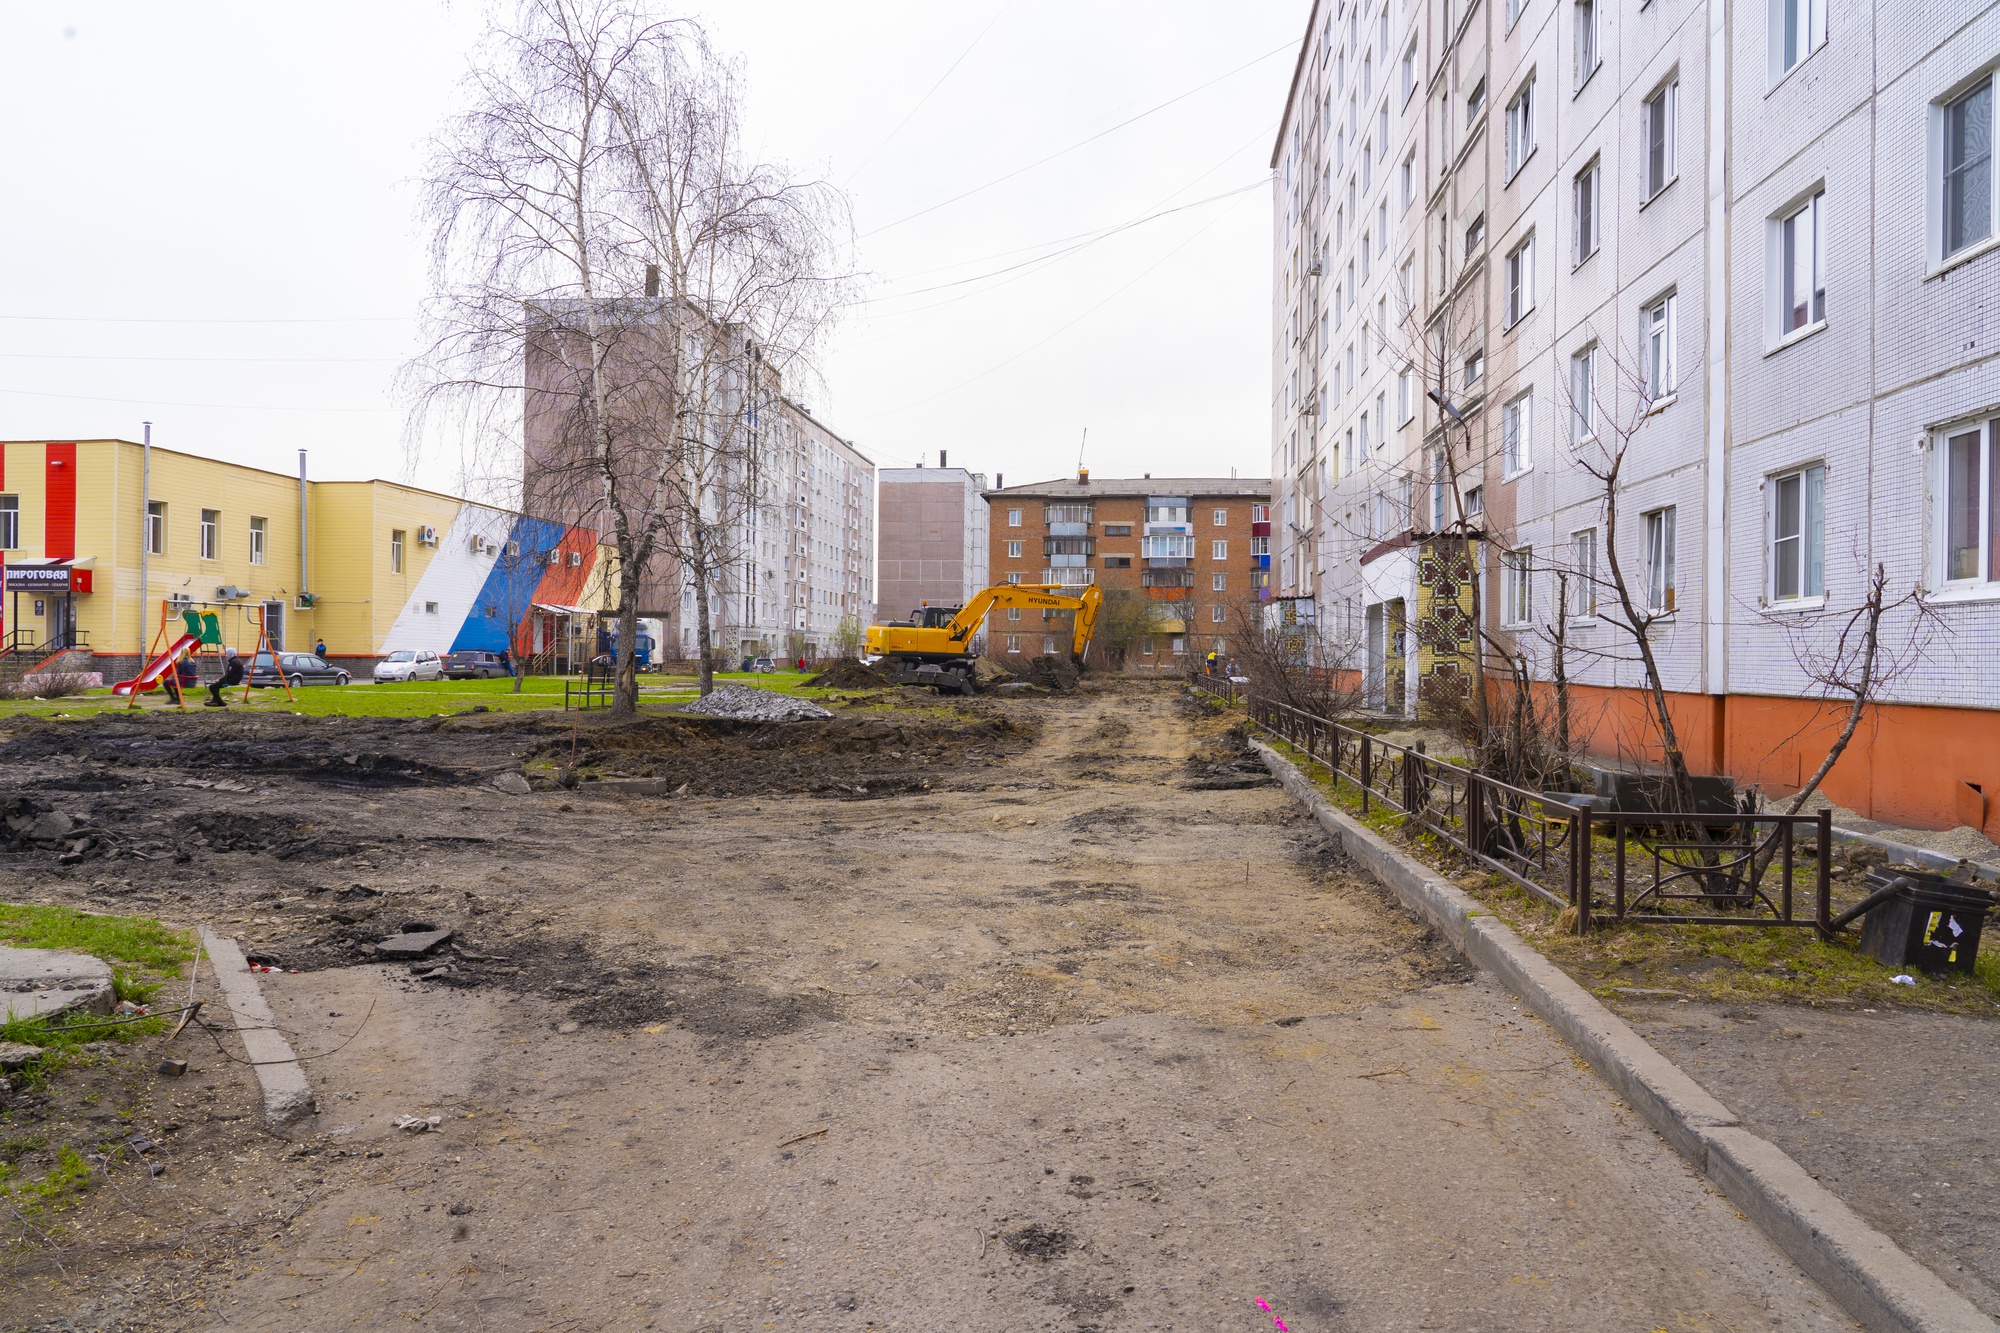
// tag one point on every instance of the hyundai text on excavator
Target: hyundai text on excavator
(934, 646)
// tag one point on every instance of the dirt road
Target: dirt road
(1085, 1031)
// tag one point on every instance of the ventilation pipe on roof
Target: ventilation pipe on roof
(1083, 476)
(941, 462)
(652, 279)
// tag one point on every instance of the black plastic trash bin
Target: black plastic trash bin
(1930, 922)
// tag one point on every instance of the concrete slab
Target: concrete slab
(40, 983)
(287, 1095)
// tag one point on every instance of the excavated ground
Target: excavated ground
(1030, 1013)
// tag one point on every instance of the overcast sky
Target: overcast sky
(209, 222)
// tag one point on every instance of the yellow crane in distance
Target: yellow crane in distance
(934, 646)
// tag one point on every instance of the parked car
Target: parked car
(763, 664)
(297, 669)
(409, 664)
(474, 664)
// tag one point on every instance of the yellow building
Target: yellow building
(99, 537)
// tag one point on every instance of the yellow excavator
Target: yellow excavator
(934, 646)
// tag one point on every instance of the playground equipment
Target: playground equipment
(264, 646)
(198, 628)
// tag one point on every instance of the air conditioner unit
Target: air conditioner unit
(427, 536)
(553, 558)
(305, 602)
(229, 592)
(576, 560)
(478, 545)
(180, 600)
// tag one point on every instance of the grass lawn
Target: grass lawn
(1732, 963)
(145, 956)
(415, 698)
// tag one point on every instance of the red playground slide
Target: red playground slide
(149, 679)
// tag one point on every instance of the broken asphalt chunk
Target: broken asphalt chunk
(417, 944)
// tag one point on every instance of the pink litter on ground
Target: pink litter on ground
(1274, 1319)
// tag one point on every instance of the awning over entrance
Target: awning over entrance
(553, 609)
(46, 576)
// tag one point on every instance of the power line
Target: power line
(927, 96)
(116, 319)
(990, 370)
(251, 360)
(1179, 97)
(162, 402)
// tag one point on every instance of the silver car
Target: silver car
(409, 664)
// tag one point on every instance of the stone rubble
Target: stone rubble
(744, 704)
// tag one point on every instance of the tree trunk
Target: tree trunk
(625, 694)
(704, 640)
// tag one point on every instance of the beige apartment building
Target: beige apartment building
(932, 548)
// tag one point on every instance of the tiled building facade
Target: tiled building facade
(1195, 549)
(1756, 244)
(932, 548)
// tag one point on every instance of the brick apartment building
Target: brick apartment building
(1195, 549)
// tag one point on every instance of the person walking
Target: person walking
(232, 674)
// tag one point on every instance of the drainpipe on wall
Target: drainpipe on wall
(305, 561)
(145, 535)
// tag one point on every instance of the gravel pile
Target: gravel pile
(747, 705)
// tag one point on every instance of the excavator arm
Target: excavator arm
(1048, 596)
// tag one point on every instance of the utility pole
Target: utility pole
(145, 536)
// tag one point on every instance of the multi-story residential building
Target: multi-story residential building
(932, 549)
(1747, 252)
(786, 506)
(101, 539)
(1194, 550)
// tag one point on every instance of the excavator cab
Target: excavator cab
(933, 617)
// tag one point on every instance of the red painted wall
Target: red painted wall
(60, 515)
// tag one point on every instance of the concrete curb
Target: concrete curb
(287, 1095)
(1881, 1287)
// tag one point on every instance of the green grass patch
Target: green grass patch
(1741, 964)
(69, 1177)
(138, 940)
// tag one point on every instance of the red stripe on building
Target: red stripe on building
(59, 513)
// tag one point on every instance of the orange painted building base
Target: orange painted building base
(1908, 764)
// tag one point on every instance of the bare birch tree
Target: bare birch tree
(617, 294)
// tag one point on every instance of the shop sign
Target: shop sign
(44, 578)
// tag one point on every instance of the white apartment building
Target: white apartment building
(1752, 249)
(806, 582)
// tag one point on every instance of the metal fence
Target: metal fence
(593, 691)
(1734, 869)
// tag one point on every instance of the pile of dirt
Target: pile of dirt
(1227, 763)
(1052, 672)
(742, 704)
(284, 837)
(849, 674)
(848, 756)
(30, 824)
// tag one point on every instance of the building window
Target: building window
(1013, 613)
(1409, 181)
(10, 522)
(1968, 167)
(396, 551)
(1517, 588)
(1582, 407)
(1118, 529)
(1260, 513)
(156, 527)
(257, 526)
(1798, 540)
(1475, 502)
(1475, 102)
(1657, 124)
(1584, 198)
(1798, 28)
(1659, 526)
(210, 521)
(1013, 550)
(1013, 518)
(1118, 562)
(1801, 275)
(1971, 494)
(1475, 368)
(1219, 518)
(1587, 55)
(1406, 395)
(1475, 232)
(1514, 8)
(1218, 550)
(1440, 492)
(1521, 280)
(430, 608)
(1260, 546)
(1015, 577)
(1218, 582)
(1656, 349)
(1013, 643)
(1583, 591)
(1145, 647)
(1517, 420)
(1217, 614)
(1521, 126)
(1178, 646)
(1048, 643)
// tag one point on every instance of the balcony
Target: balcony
(1070, 576)
(1068, 546)
(1069, 529)
(1067, 561)
(1167, 578)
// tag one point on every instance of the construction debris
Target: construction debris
(513, 784)
(413, 944)
(417, 1124)
(850, 675)
(1052, 672)
(743, 704)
